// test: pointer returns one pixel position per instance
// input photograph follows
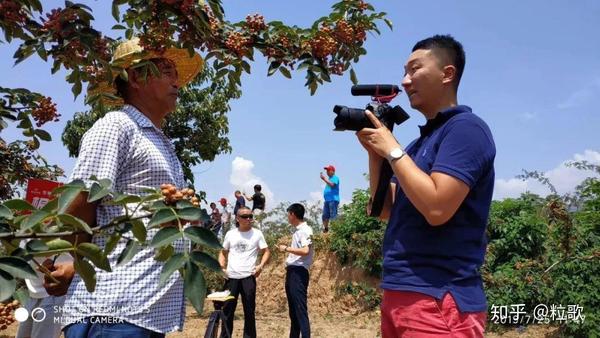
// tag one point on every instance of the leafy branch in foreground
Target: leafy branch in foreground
(171, 215)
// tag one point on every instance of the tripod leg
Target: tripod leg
(212, 328)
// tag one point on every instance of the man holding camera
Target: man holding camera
(435, 241)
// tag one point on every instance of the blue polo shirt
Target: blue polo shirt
(435, 260)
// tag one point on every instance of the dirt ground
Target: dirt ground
(332, 314)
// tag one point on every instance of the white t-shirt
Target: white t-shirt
(243, 250)
(225, 214)
(301, 238)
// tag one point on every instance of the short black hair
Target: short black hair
(257, 187)
(297, 210)
(242, 208)
(447, 49)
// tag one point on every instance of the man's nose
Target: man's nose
(406, 81)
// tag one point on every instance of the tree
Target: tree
(66, 38)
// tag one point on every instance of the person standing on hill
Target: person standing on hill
(299, 259)
(331, 194)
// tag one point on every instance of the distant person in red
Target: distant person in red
(225, 216)
(215, 219)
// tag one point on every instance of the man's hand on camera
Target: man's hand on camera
(63, 273)
(378, 140)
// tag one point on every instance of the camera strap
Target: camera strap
(385, 175)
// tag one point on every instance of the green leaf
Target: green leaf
(139, 230)
(34, 219)
(353, 76)
(174, 263)
(67, 196)
(202, 236)
(17, 267)
(202, 258)
(97, 192)
(17, 204)
(87, 273)
(51, 206)
(131, 248)
(44, 135)
(285, 72)
(115, 12)
(221, 73)
(162, 216)
(22, 295)
(273, 67)
(182, 204)
(7, 286)
(389, 23)
(190, 214)
(76, 89)
(58, 244)
(36, 245)
(125, 199)
(194, 286)
(5, 212)
(75, 222)
(164, 253)
(165, 236)
(158, 205)
(111, 243)
(94, 254)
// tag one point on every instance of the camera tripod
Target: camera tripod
(216, 318)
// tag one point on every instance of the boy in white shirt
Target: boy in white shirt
(241, 247)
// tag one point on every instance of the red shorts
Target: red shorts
(417, 315)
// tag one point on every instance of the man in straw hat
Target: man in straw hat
(128, 147)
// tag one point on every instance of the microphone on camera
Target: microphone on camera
(374, 90)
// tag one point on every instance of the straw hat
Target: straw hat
(130, 53)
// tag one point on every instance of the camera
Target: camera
(381, 94)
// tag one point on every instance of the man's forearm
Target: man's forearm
(222, 260)
(422, 191)
(304, 251)
(85, 211)
(265, 258)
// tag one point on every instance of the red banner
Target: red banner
(39, 192)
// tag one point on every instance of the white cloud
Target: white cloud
(564, 178)
(242, 178)
(581, 96)
(315, 197)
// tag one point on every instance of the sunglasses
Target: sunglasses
(249, 216)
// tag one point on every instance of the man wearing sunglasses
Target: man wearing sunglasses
(241, 247)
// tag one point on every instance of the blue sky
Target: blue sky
(532, 73)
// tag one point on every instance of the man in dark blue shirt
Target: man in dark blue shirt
(435, 240)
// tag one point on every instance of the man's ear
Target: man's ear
(135, 79)
(449, 74)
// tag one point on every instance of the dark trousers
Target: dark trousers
(247, 288)
(296, 290)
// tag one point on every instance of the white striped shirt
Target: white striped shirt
(125, 147)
